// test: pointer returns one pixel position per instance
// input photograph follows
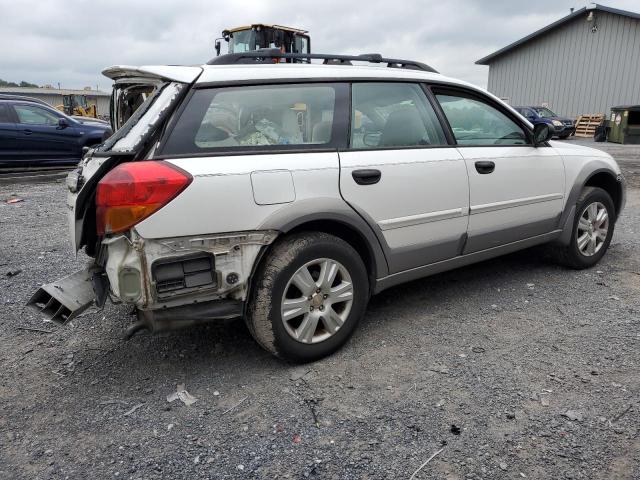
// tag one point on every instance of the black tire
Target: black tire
(571, 255)
(286, 257)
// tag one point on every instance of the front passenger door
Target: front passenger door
(40, 137)
(516, 189)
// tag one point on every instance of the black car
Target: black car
(32, 133)
(560, 126)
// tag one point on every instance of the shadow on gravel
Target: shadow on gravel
(228, 346)
(465, 282)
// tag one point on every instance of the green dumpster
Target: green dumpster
(624, 124)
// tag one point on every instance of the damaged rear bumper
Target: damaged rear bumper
(172, 282)
(65, 299)
(184, 316)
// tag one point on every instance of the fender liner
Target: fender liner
(583, 177)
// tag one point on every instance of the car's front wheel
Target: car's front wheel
(309, 294)
(592, 229)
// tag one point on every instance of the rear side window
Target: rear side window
(388, 115)
(255, 118)
(477, 123)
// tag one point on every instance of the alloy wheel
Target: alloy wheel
(317, 300)
(592, 230)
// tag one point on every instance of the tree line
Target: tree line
(4, 83)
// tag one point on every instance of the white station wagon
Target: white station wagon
(290, 193)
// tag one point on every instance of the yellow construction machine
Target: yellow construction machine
(77, 105)
(257, 36)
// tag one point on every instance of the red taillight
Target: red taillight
(132, 191)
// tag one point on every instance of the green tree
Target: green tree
(4, 83)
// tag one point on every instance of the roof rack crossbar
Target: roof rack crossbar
(261, 55)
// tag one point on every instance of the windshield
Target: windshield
(545, 112)
(240, 41)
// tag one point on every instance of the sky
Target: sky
(70, 41)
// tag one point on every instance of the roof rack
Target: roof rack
(272, 55)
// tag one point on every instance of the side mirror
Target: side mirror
(541, 133)
(62, 123)
(218, 47)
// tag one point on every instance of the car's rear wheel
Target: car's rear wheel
(309, 294)
(592, 229)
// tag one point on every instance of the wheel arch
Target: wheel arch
(608, 181)
(335, 218)
(602, 177)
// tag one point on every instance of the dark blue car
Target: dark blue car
(560, 126)
(32, 133)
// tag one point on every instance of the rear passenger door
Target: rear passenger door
(401, 174)
(516, 189)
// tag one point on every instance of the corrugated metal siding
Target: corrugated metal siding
(573, 70)
(54, 97)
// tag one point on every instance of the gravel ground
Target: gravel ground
(513, 368)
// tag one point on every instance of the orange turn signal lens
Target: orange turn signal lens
(133, 191)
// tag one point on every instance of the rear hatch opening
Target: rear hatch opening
(143, 99)
(142, 102)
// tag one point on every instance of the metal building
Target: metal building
(53, 96)
(585, 63)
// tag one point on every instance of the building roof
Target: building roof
(489, 58)
(52, 91)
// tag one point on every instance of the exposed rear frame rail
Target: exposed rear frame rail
(271, 55)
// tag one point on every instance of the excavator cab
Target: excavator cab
(257, 36)
(77, 105)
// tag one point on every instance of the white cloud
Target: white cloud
(71, 41)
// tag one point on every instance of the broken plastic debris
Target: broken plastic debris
(455, 430)
(14, 200)
(182, 395)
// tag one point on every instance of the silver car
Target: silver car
(290, 193)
